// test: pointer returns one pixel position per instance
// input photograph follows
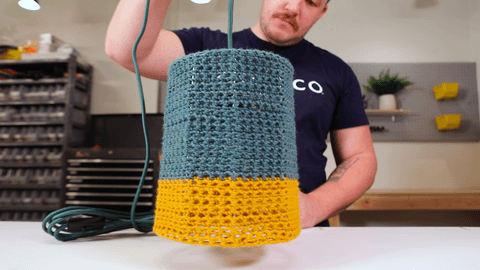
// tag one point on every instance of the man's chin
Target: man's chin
(280, 34)
(283, 40)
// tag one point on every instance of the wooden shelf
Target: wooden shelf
(391, 113)
(388, 113)
(418, 200)
(429, 199)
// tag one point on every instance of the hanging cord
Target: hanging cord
(230, 24)
(144, 124)
(75, 222)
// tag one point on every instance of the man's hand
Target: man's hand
(308, 210)
(355, 172)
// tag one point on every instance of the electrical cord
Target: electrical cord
(74, 222)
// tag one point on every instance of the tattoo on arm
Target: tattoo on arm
(342, 169)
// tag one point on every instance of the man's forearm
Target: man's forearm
(125, 26)
(345, 185)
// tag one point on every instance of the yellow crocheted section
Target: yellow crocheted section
(229, 213)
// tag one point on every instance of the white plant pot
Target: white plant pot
(387, 102)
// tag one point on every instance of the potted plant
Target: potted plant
(386, 87)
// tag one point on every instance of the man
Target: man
(327, 96)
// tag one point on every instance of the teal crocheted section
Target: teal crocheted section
(229, 112)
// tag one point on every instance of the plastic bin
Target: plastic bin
(448, 121)
(446, 91)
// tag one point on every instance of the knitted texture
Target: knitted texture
(226, 212)
(228, 172)
(229, 112)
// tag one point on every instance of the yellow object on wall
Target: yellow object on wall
(446, 91)
(448, 121)
(11, 54)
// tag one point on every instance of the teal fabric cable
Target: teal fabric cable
(145, 132)
(230, 24)
(56, 223)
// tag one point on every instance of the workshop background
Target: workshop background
(369, 31)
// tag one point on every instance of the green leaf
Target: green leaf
(386, 84)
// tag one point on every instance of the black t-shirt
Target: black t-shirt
(327, 93)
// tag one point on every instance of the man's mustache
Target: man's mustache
(288, 18)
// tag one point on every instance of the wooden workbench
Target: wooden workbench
(431, 199)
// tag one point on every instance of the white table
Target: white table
(24, 245)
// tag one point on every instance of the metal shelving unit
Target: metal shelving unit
(109, 178)
(44, 110)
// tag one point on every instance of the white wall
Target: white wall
(394, 31)
(475, 37)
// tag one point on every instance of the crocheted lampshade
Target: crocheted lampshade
(228, 173)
